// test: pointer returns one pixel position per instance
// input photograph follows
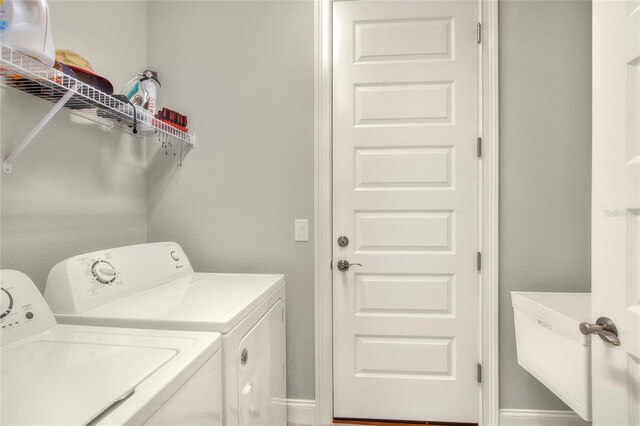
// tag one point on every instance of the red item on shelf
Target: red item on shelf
(173, 118)
(177, 126)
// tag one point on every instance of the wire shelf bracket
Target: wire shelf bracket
(7, 164)
(27, 75)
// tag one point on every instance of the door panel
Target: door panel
(402, 167)
(403, 39)
(405, 194)
(616, 209)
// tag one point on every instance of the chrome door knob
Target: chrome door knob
(343, 241)
(604, 327)
(343, 265)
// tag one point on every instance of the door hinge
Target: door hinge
(479, 147)
(331, 264)
(479, 261)
(479, 33)
(479, 373)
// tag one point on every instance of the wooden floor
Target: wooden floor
(393, 423)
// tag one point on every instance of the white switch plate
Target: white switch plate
(302, 230)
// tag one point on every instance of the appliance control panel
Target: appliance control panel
(90, 280)
(24, 310)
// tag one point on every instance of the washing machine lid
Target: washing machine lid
(198, 302)
(70, 375)
(70, 383)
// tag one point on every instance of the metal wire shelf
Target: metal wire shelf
(25, 74)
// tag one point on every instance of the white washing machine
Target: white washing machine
(74, 375)
(154, 286)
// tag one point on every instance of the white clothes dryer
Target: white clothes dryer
(75, 375)
(154, 286)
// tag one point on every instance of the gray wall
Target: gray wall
(78, 187)
(545, 168)
(243, 72)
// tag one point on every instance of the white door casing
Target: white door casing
(405, 191)
(616, 210)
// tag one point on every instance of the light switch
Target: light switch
(302, 230)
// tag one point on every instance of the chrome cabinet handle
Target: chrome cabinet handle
(604, 327)
(343, 265)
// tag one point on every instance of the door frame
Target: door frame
(488, 193)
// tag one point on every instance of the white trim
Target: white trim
(323, 212)
(509, 417)
(301, 411)
(489, 166)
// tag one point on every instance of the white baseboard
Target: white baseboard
(511, 417)
(301, 411)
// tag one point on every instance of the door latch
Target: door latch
(604, 327)
(344, 265)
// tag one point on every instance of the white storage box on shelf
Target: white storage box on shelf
(551, 347)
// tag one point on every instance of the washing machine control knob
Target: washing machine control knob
(7, 303)
(103, 272)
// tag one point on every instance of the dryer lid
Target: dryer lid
(197, 302)
(71, 382)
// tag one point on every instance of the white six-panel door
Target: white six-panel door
(405, 120)
(616, 210)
